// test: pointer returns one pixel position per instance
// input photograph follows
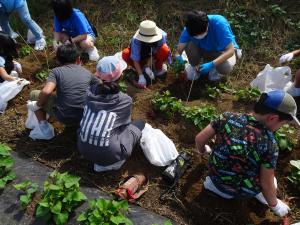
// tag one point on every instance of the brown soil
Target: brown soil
(190, 203)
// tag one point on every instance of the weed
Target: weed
(6, 163)
(42, 75)
(102, 211)
(215, 91)
(178, 66)
(277, 10)
(247, 94)
(29, 188)
(166, 103)
(294, 177)
(123, 86)
(25, 51)
(60, 197)
(200, 116)
(284, 139)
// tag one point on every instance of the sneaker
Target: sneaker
(14, 35)
(40, 44)
(163, 71)
(213, 75)
(93, 54)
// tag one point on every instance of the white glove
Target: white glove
(142, 81)
(150, 73)
(207, 149)
(18, 67)
(32, 105)
(281, 209)
(286, 58)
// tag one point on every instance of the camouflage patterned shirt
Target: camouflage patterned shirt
(242, 146)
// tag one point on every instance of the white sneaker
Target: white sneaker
(40, 44)
(93, 54)
(163, 71)
(14, 35)
(213, 75)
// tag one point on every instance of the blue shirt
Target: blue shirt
(136, 45)
(218, 37)
(11, 5)
(76, 25)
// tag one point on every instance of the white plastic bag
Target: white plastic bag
(43, 131)
(31, 121)
(272, 78)
(9, 90)
(157, 147)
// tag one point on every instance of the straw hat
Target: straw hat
(148, 32)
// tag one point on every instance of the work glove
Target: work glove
(179, 58)
(281, 209)
(286, 58)
(206, 67)
(18, 67)
(32, 105)
(142, 81)
(150, 73)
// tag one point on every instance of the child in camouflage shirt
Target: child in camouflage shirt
(244, 157)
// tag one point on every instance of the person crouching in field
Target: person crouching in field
(243, 160)
(209, 44)
(71, 82)
(107, 135)
(7, 53)
(148, 51)
(71, 25)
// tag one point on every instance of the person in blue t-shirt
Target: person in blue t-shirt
(71, 25)
(7, 7)
(209, 44)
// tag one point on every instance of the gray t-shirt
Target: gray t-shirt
(72, 82)
(106, 134)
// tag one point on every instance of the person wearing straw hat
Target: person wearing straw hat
(209, 44)
(148, 51)
(107, 135)
(244, 156)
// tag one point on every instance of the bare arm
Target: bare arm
(203, 137)
(229, 51)
(45, 93)
(296, 53)
(79, 38)
(138, 68)
(5, 76)
(268, 186)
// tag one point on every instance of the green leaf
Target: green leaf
(54, 187)
(120, 219)
(168, 222)
(71, 180)
(295, 163)
(41, 211)
(6, 162)
(82, 217)
(61, 218)
(78, 196)
(24, 199)
(22, 185)
(56, 208)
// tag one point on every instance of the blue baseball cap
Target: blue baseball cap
(283, 102)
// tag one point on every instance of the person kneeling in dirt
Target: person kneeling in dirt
(107, 135)
(294, 88)
(71, 82)
(9, 69)
(209, 44)
(243, 160)
(71, 25)
(147, 52)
